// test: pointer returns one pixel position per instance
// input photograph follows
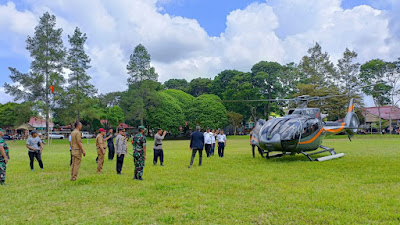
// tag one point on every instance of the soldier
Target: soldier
(110, 144)
(4, 157)
(77, 150)
(158, 149)
(121, 149)
(101, 149)
(35, 148)
(139, 152)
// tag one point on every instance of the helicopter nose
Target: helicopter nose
(271, 144)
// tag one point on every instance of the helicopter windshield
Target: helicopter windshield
(288, 130)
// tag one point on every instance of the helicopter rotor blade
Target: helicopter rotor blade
(259, 100)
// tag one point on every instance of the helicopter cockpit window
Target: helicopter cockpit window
(290, 130)
(309, 127)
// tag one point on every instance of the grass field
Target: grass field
(363, 187)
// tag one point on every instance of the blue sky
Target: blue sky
(202, 37)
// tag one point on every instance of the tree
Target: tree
(235, 119)
(178, 84)
(290, 77)
(47, 52)
(139, 68)
(317, 67)
(110, 99)
(199, 86)
(168, 115)
(114, 116)
(208, 111)
(348, 72)
(266, 79)
(372, 76)
(392, 76)
(184, 100)
(242, 88)
(139, 100)
(14, 114)
(78, 62)
(221, 81)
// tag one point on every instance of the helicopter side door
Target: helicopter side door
(311, 135)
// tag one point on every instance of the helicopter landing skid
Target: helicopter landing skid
(277, 155)
(333, 155)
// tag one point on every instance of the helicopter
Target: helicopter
(302, 130)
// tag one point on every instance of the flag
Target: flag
(52, 89)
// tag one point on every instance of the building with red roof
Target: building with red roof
(39, 123)
(371, 114)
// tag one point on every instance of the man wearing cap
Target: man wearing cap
(101, 149)
(4, 157)
(196, 144)
(139, 152)
(77, 150)
(158, 149)
(35, 148)
(121, 149)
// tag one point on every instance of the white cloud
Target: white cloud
(4, 97)
(278, 30)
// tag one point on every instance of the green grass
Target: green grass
(363, 187)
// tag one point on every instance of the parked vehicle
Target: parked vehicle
(7, 137)
(56, 136)
(86, 134)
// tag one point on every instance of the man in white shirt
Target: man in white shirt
(213, 135)
(221, 138)
(207, 141)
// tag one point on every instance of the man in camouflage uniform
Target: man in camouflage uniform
(139, 152)
(3, 158)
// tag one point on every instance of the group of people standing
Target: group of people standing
(207, 141)
(120, 149)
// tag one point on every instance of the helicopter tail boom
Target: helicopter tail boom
(349, 125)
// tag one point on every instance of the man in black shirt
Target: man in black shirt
(110, 144)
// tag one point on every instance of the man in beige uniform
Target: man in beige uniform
(76, 150)
(101, 149)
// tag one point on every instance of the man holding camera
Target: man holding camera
(121, 149)
(3, 158)
(35, 148)
(158, 149)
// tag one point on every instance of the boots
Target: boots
(135, 177)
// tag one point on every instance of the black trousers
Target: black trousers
(221, 148)
(208, 149)
(158, 153)
(111, 151)
(194, 154)
(259, 150)
(120, 162)
(38, 156)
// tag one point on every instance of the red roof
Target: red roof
(385, 112)
(124, 126)
(39, 122)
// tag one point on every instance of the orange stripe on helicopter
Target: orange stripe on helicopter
(312, 139)
(336, 130)
(351, 108)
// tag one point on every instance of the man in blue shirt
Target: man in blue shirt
(196, 144)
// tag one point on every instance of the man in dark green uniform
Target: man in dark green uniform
(139, 152)
(3, 158)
